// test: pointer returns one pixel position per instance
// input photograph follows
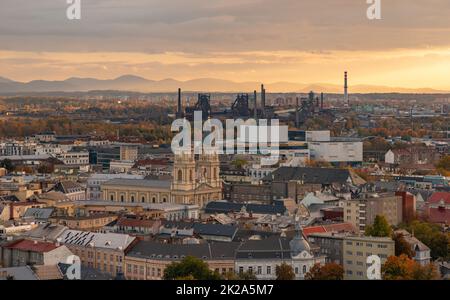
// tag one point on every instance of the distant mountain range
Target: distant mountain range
(139, 84)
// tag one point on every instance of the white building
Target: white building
(261, 257)
(337, 151)
(93, 188)
(74, 158)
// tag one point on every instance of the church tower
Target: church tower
(184, 172)
(208, 170)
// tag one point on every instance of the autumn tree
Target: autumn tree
(404, 268)
(443, 166)
(284, 272)
(190, 267)
(402, 246)
(380, 227)
(331, 271)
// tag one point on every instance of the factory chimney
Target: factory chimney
(321, 100)
(297, 113)
(179, 108)
(263, 101)
(255, 107)
(346, 99)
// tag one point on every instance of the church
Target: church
(194, 181)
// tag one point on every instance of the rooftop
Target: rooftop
(33, 246)
(162, 184)
(93, 239)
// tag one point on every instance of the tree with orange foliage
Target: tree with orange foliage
(404, 268)
(331, 271)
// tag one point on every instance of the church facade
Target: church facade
(193, 182)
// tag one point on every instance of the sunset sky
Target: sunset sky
(303, 41)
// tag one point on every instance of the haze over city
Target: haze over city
(289, 41)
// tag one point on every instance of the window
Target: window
(132, 198)
(154, 199)
(304, 269)
(250, 270)
(111, 197)
(259, 272)
(121, 198)
(128, 268)
(269, 270)
(141, 270)
(143, 199)
(296, 270)
(180, 175)
(241, 270)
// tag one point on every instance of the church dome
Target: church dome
(298, 244)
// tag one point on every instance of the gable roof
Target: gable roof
(113, 241)
(33, 246)
(437, 197)
(67, 187)
(39, 213)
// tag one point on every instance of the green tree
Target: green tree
(331, 271)
(431, 235)
(402, 246)
(190, 267)
(240, 276)
(380, 228)
(284, 272)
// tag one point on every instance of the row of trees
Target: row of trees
(399, 267)
(147, 131)
(191, 268)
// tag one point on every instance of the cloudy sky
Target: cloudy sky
(304, 41)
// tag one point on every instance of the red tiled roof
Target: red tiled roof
(338, 227)
(439, 215)
(438, 196)
(314, 229)
(34, 246)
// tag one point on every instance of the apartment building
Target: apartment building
(102, 251)
(356, 250)
(26, 252)
(361, 212)
(148, 260)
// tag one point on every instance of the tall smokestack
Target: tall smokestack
(346, 99)
(321, 100)
(255, 108)
(263, 100)
(179, 112)
(297, 113)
